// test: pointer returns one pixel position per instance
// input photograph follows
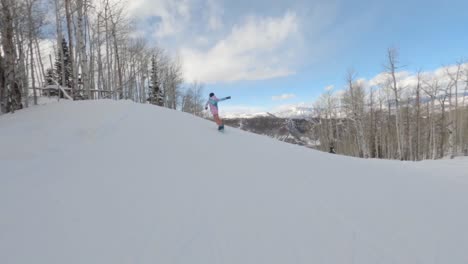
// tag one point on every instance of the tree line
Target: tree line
(418, 117)
(96, 55)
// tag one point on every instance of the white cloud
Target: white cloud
(174, 15)
(253, 50)
(215, 22)
(329, 88)
(282, 97)
(220, 45)
(407, 81)
(384, 77)
(176, 18)
(215, 12)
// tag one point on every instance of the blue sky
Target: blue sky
(261, 51)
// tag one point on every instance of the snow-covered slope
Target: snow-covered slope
(116, 182)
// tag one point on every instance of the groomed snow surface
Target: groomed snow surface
(109, 182)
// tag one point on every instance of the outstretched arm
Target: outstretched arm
(225, 98)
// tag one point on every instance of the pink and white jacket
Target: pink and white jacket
(213, 103)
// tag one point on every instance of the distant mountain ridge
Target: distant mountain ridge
(299, 131)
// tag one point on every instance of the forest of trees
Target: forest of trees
(96, 54)
(397, 117)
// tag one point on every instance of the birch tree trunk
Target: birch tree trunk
(11, 95)
(31, 49)
(108, 50)
(117, 60)
(432, 91)
(81, 10)
(90, 35)
(455, 115)
(418, 117)
(39, 56)
(463, 121)
(21, 71)
(391, 67)
(357, 103)
(2, 85)
(100, 84)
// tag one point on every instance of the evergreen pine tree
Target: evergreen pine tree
(161, 97)
(67, 63)
(50, 76)
(156, 94)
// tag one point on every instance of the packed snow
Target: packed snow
(108, 182)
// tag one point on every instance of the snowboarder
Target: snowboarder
(213, 103)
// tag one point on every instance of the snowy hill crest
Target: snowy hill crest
(118, 182)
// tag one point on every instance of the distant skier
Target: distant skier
(213, 103)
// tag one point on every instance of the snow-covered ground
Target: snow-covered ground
(116, 182)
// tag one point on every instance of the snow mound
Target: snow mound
(117, 182)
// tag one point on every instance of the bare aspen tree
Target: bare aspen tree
(192, 100)
(32, 30)
(372, 123)
(114, 19)
(91, 28)
(20, 29)
(377, 106)
(101, 83)
(331, 105)
(325, 109)
(354, 101)
(418, 117)
(454, 113)
(432, 89)
(392, 68)
(463, 118)
(446, 127)
(320, 127)
(81, 50)
(11, 100)
(390, 135)
(173, 82)
(2, 85)
(108, 49)
(406, 112)
(39, 56)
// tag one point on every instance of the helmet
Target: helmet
(211, 94)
